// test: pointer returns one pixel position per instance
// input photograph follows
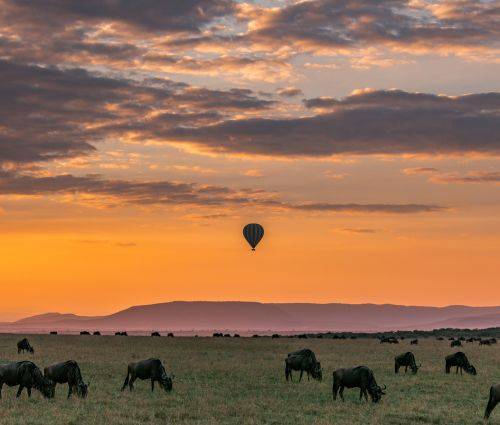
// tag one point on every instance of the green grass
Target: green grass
(241, 381)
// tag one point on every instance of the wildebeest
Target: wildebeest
(27, 375)
(67, 373)
(302, 336)
(440, 338)
(155, 334)
(493, 400)
(97, 333)
(84, 333)
(407, 360)
(414, 342)
(255, 336)
(121, 333)
(53, 332)
(389, 340)
(24, 345)
(227, 335)
(357, 377)
(148, 369)
(236, 335)
(170, 335)
(456, 343)
(217, 335)
(276, 336)
(303, 360)
(485, 342)
(460, 360)
(470, 340)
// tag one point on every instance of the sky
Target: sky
(138, 138)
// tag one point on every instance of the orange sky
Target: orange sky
(135, 143)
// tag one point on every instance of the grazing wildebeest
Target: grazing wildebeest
(460, 360)
(303, 360)
(493, 400)
(148, 369)
(276, 336)
(27, 375)
(67, 373)
(255, 336)
(217, 335)
(53, 332)
(302, 336)
(456, 343)
(414, 342)
(440, 338)
(469, 340)
(155, 334)
(24, 345)
(485, 342)
(84, 333)
(389, 340)
(236, 335)
(357, 377)
(121, 333)
(170, 335)
(227, 335)
(407, 360)
(97, 333)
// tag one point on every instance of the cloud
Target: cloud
(357, 231)
(419, 170)
(471, 177)
(369, 208)
(371, 122)
(289, 92)
(48, 113)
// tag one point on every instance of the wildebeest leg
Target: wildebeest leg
(307, 376)
(335, 388)
(126, 381)
(360, 394)
(152, 384)
(29, 391)
(300, 377)
(70, 390)
(19, 390)
(406, 369)
(341, 393)
(131, 382)
(1, 385)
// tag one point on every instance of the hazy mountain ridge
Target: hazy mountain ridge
(246, 316)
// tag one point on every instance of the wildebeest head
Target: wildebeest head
(415, 368)
(317, 372)
(471, 370)
(82, 389)
(376, 392)
(166, 382)
(47, 387)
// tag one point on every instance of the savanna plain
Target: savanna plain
(242, 381)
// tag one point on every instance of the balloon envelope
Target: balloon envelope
(253, 233)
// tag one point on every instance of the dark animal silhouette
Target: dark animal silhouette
(485, 342)
(493, 400)
(217, 335)
(121, 333)
(389, 340)
(303, 361)
(276, 336)
(68, 373)
(84, 333)
(155, 334)
(27, 375)
(255, 336)
(148, 369)
(493, 340)
(53, 332)
(460, 360)
(455, 343)
(407, 360)
(358, 377)
(440, 338)
(236, 335)
(470, 340)
(24, 345)
(97, 333)
(414, 342)
(227, 335)
(170, 335)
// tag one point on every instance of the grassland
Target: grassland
(241, 381)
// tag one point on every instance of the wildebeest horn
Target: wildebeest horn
(385, 387)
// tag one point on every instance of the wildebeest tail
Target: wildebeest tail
(126, 380)
(491, 404)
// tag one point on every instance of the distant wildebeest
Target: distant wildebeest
(456, 343)
(155, 334)
(302, 336)
(493, 340)
(236, 335)
(24, 345)
(148, 369)
(53, 332)
(469, 340)
(407, 360)
(97, 333)
(227, 335)
(217, 335)
(460, 360)
(462, 338)
(485, 342)
(121, 333)
(357, 377)
(493, 400)
(27, 375)
(84, 333)
(414, 342)
(440, 338)
(354, 337)
(389, 340)
(303, 360)
(276, 336)
(451, 338)
(170, 335)
(68, 373)
(255, 336)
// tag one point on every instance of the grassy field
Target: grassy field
(241, 381)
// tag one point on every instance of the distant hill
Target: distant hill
(253, 316)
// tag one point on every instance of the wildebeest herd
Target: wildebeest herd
(27, 374)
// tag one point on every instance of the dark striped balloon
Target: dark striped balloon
(253, 233)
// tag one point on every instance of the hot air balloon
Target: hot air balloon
(253, 233)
